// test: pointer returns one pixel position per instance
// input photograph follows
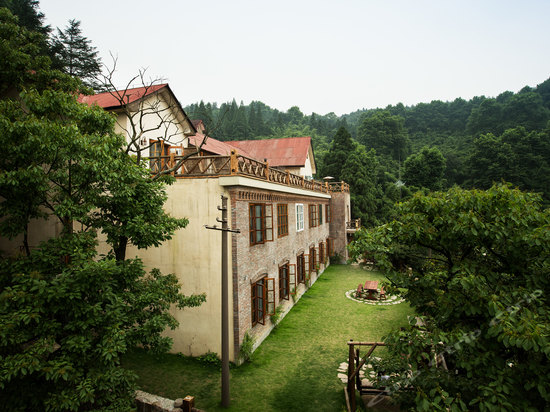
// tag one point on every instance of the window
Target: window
(284, 282)
(263, 299)
(300, 268)
(328, 215)
(321, 252)
(282, 220)
(261, 223)
(312, 215)
(320, 215)
(292, 278)
(299, 217)
(312, 260)
(160, 151)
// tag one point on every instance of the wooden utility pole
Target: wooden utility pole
(225, 300)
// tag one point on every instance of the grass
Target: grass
(295, 368)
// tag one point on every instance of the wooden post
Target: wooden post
(234, 163)
(351, 384)
(172, 163)
(188, 403)
(266, 170)
(225, 309)
(358, 375)
(225, 299)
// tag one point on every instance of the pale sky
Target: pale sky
(319, 55)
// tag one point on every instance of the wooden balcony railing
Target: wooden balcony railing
(353, 224)
(236, 165)
(338, 187)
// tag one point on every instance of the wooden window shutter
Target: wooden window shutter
(292, 278)
(268, 223)
(262, 304)
(270, 292)
(317, 262)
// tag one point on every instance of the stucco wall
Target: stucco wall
(194, 255)
(171, 130)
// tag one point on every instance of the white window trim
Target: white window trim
(299, 213)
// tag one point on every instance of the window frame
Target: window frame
(328, 216)
(282, 219)
(320, 215)
(266, 223)
(158, 150)
(284, 281)
(300, 268)
(293, 285)
(312, 260)
(258, 305)
(300, 220)
(263, 303)
(321, 252)
(313, 216)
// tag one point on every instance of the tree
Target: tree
(474, 266)
(384, 133)
(487, 118)
(526, 109)
(241, 129)
(543, 90)
(295, 115)
(31, 18)
(78, 57)
(342, 146)
(362, 169)
(518, 156)
(425, 169)
(67, 315)
(490, 161)
(156, 115)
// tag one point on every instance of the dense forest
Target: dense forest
(389, 153)
(386, 154)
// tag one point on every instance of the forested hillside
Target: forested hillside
(387, 154)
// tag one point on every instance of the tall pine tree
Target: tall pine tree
(342, 146)
(78, 56)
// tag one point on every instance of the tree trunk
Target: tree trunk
(26, 240)
(120, 249)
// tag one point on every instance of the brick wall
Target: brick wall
(250, 263)
(340, 206)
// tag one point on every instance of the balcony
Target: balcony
(182, 167)
(353, 225)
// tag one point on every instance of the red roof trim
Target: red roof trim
(286, 151)
(107, 101)
(111, 100)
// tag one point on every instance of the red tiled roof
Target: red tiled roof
(108, 101)
(212, 145)
(287, 151)
(215, 146)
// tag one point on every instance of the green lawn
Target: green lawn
(295, 368)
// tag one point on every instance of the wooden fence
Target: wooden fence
(355, 363)
(236, 165)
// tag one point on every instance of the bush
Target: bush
(247, 348)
